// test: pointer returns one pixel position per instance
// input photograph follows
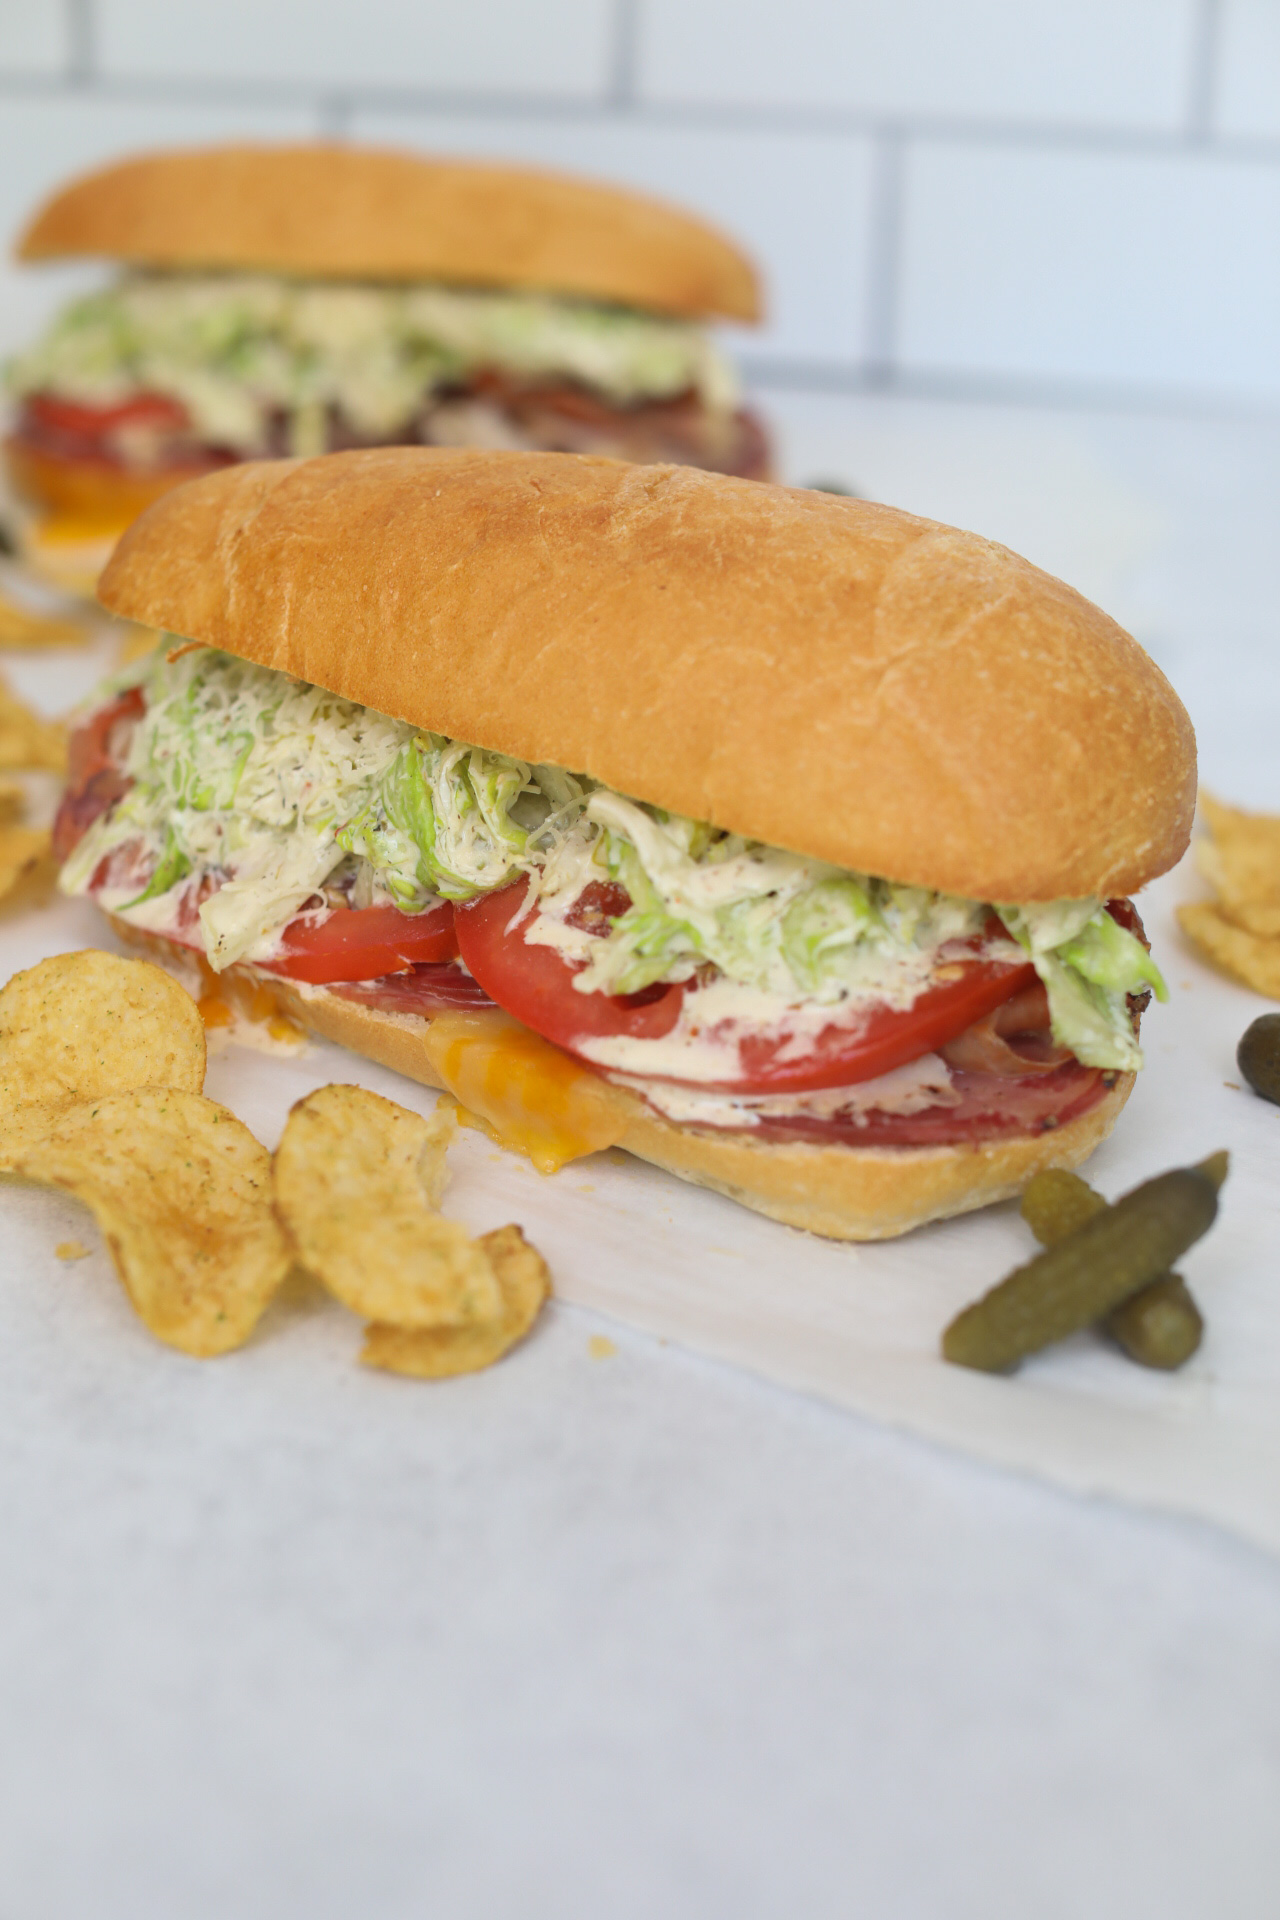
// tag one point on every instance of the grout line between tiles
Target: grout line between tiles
(1202, 93)
(624, 74)
(706, 117)
(81, 42)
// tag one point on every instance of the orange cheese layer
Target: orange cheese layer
(66, 530)
(86, 499)
(522, 1091)
(224, 997)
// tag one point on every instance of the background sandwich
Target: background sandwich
(292, 300)
(783, 840)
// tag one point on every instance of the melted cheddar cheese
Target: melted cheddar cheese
(520, 1090)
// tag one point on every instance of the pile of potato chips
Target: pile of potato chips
(28, 744)
(23, 630)
(102, 1062)
(1240, 930)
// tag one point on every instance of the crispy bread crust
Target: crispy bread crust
(842, 1193)
(822, 674)
(367, 213)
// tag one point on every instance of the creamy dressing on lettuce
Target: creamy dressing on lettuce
(266, 794)
(776, 922)
(234, 348)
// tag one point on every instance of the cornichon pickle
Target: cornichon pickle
(1258, 1056)
(1082, 1278)
(1160, 1325)
(1055, 1203)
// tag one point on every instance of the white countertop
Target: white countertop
(641, 1636)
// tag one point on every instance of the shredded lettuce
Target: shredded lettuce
(279, 790)
(276, 787)
(236, 348)
(245, 774)
(441, 818)
(1089, 966)
(768, 919)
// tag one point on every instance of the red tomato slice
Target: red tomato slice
(884, 1039)
(74, 416)
(536, 985)
(364, 943)
(94, 780)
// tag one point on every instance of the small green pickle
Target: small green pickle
(1161, 1325)
(1258, 1056)
(1055, 1203)
(1084, 1277)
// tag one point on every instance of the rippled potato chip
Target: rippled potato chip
(1247, 957)
(20, 849)
(1260, 917)
(438, 1352)
(1240, 931)
(182, 1193)
(21, 628)
(357, 1182)
(1240, 855)
(80, 1025)
(26, 740)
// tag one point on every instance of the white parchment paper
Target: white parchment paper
(859, 1326)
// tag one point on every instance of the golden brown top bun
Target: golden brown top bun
(367, 214)
(842, 679)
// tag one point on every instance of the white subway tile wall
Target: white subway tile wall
(553, 49)
(1144, 269)
(1248, 77)
(1105, 63)
(963, 195)
(35, 36)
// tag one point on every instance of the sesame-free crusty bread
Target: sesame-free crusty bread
(365, 213)
(841, 1192)
(841, 679)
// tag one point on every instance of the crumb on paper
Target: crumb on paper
(72, 1250)
(601, 1347)
(1234, 1085)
